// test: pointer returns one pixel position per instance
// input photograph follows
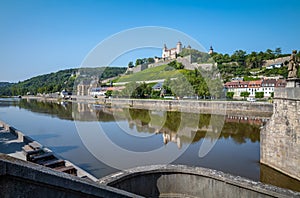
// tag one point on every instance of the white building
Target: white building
(171, 53)
(266, 85)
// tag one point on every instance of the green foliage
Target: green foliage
(135, 90)
(108, 93)
(130, 64)
(48, 83)
(283, 71)
(239, 56)
(245, 94)
(259, 94)
(250, 78)
(176, 65)
(229, 95)
(179, 87)
(240, 63)
(141, 61)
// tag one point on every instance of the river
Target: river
(102, 140)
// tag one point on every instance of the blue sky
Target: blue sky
(42, 36)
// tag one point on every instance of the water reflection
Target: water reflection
(176, 127)
(236, 151)
(270, 176)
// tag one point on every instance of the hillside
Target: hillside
(155, 73)
(57, 81)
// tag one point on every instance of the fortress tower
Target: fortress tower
(178, 47)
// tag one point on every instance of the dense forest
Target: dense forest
(57, 81)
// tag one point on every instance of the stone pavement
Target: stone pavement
(10, 144)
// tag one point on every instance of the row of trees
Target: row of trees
(141, 61)
(252, 60)
(246, 94)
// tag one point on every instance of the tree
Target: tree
(278, 51)
(138, 62)
(239, 56)
(167, 87)
(176, 65)
(245, 94)
(150, 60)
(269, 54)
(229, 95)
(108, 93)
(215, 87)
(130, 64)
(259, 94)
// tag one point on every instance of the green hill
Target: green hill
(155, 73)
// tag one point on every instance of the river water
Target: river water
(102, 140)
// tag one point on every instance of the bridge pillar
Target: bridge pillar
(280, 138)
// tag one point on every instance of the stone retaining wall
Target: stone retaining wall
(213, 107)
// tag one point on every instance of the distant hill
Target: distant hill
(56, 81)
(5, 84)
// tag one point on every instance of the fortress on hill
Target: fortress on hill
(170, 54)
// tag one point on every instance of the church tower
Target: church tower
(164, 51)
(211, 50)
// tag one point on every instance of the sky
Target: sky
(43, 36)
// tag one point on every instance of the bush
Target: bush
(176, 65)
(245, 94)
(259, 94)
(229, 95)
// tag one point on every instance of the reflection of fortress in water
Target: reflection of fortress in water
(239, 128)
(176, 127)
(188, 129)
